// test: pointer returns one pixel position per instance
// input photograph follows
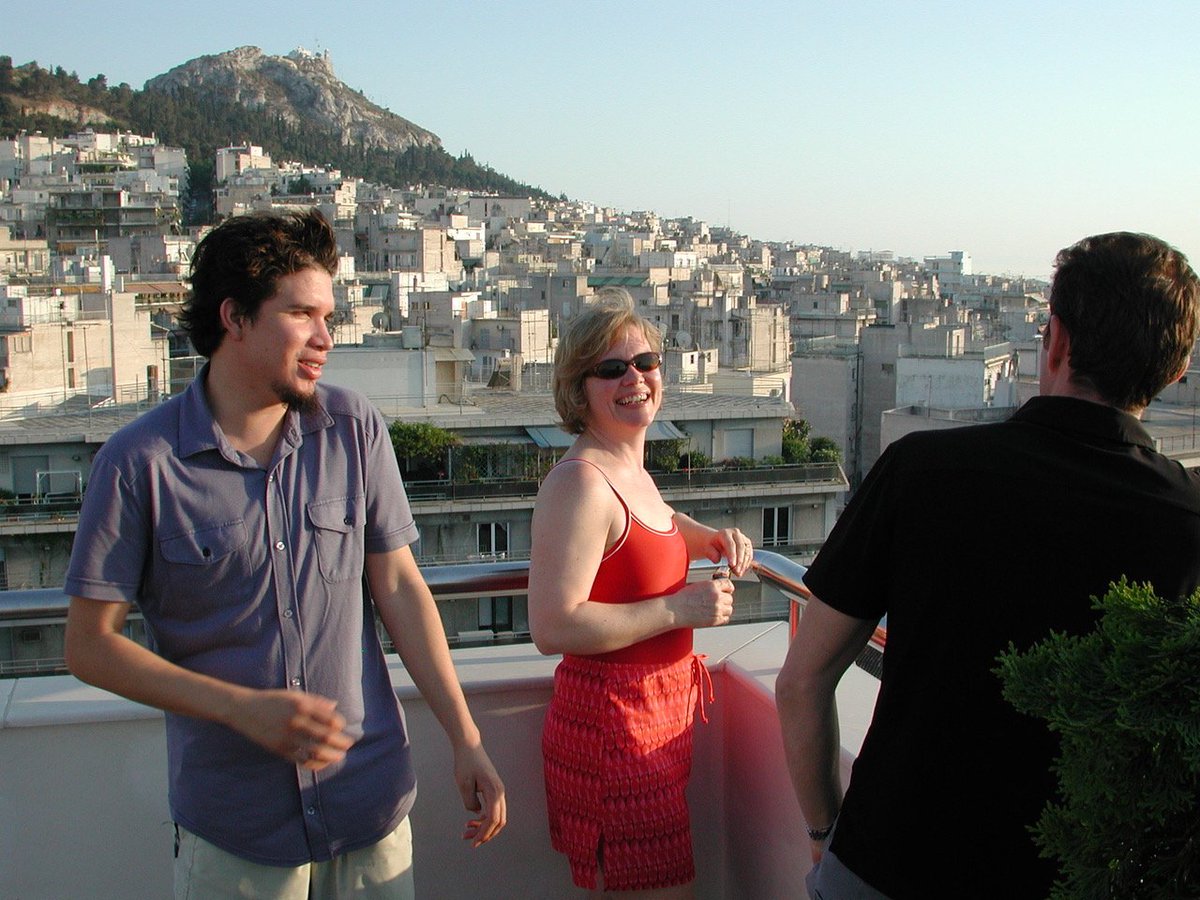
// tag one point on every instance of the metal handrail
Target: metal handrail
(48, 606)
(787, 576)
(448, 582)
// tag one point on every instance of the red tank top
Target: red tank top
(643, 563)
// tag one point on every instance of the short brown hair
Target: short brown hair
(580, 344)
(243, 259)
(1129, 303)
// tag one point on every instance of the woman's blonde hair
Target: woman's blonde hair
(580, 344)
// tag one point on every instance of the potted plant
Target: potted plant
(1125, 701)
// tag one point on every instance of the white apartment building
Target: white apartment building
(523, 336)
(952, 271)
(21, 256)
(29, 154)
(394, 375)
(491, 208)
(563, 294)
(151, 254)
(829, 312)
(882, 346)
(89, 187)
(758, 339)
(883, 289)
(234, 160)
(968, 380)
(89, 341)
(825, 392)
(690, 367)
(23, 205)
(392, 244)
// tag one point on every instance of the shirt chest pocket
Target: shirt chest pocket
(204, 567)
(209, 545)
(337, 526)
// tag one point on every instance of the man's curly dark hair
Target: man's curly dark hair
(243, 259)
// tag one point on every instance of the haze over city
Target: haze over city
(1007, 131)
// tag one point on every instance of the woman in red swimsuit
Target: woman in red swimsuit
(608, 590)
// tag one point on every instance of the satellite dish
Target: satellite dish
(381, 321)
(683, 340)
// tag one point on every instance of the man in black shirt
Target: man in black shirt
(969, 539)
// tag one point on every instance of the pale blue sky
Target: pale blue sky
(1004, 129)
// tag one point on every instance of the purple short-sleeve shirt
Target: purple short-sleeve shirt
(255, 576)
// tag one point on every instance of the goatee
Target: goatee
(297, 402)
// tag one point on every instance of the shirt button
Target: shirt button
(287, 613)
(271, 478)
(279, 545)
(295, 682)
(312, 810)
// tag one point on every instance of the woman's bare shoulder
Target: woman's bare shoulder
(575, 473)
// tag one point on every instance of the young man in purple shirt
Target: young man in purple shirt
(241, 517)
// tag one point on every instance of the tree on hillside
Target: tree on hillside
(202, 123)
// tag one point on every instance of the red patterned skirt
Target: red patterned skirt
(617, 749)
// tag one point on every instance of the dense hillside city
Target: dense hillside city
(787, 367)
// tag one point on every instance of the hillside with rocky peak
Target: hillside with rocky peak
(294, 107)
(302, 89)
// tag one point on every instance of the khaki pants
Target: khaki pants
(382, 871)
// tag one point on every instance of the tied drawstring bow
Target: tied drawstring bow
(702, 679)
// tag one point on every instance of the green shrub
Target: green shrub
(1125, 700)
(824, 450)
(795, 441)
(421, 449)
(663, 456)
(472, 462)
(738, 462)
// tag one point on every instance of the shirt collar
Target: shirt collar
(199, 431)
(1093, 421)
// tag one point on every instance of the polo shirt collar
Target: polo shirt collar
(1091, 421)
(199, 431)
(298, 424)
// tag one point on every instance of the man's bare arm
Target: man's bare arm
(302, 727)
(410, 615)
(825, 645)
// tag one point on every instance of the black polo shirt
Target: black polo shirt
(969, 539)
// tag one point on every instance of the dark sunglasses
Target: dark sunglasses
(609, 369)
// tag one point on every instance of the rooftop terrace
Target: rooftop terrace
(86, 770)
